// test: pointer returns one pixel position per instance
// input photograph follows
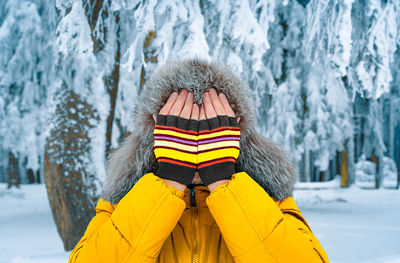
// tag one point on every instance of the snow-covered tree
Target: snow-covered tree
(305, 60)
(26, 62)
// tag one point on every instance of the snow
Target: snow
(335, 183)
(365, 173)
(74, 33)
(390, 173)
(352, 225)
(27, 229)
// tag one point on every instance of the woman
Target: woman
(195, 182)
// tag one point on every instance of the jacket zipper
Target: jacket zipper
(195, 254)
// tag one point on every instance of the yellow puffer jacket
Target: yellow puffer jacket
(236, 222)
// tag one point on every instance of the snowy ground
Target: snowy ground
(27, 229)
(352, 225)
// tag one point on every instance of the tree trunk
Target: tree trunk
(344, 168)
(13, 171)
(71, 210)
(71, 188)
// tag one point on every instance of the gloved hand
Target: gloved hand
(218, 139)
(175, 138)
(183, 145)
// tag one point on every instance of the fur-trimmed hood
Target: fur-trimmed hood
(262, 159)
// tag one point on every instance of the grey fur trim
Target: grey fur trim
(267, 164)
(263, 160)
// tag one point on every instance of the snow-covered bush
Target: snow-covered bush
(389, 171)
(365, 173)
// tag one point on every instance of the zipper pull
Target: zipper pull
(192, 197)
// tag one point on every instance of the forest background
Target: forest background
(324, 76)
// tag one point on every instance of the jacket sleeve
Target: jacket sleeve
(258, 229)
(136, 230)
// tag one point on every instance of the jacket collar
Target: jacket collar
(201, 193)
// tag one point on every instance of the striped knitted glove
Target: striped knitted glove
(175, 148)
(218, 148)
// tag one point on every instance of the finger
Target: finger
(203, 122)
(170, 102)
(202, 115)
(219, 109)
(195, 112)
(225, 103)
(180, 101)
(208, 107)
(187, 108)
